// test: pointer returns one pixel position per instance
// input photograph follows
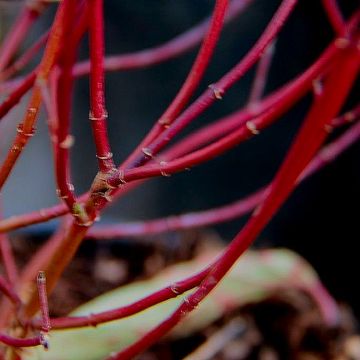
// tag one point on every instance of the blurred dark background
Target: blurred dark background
(320, 220)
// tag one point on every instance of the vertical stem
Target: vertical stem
(43, 300)
(65, 81)
(98, 113)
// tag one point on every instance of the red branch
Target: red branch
(220, 214)
(17, 33)
(216, 91)
(206, 135)
(309, 139)
(52, 82)
(192, 81)
(17, 342)
(335, 17)
(98, 113)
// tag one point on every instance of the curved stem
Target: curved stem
(309, 139)
(220, 214)
(192, 81)
(204, 136)
(217, 90)
(19, 342)
(63, 85)
(326, 155)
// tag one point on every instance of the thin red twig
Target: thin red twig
(25, 58)
(98, 112)
(17, 33)
(8, 259)
(262, 70)
(43, 301)
(63, 86)
(26, 128)
(335, 17)
(192, 81)
(19, 342)
(220, 214)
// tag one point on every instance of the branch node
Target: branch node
(349, 116)
(80, 214)
(107, 156)
(175, 289)
(342, 43)
(164, 122)
(328, 128)
(20, 130)
(44, 340)
(99, 118)
(317, 87)
(218, 92)
(147, 152)
(162, 172)
(251, 126)
(68, 142)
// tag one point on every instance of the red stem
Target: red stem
(309, 139)
(325, 156)
(262, 71)
(218, 89)
(334, 15)
(49, 96)
(8, 259)
(143, 58)
(294, 92)
(17, 342)
(64, 92)
(25, 58)
(43, 301)
(192, 81)
(202, 137)
(224, 213)
(98, 113)
(26, 128)
(17, 34)
(167, 51)
(156, 297)
(16, 94)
